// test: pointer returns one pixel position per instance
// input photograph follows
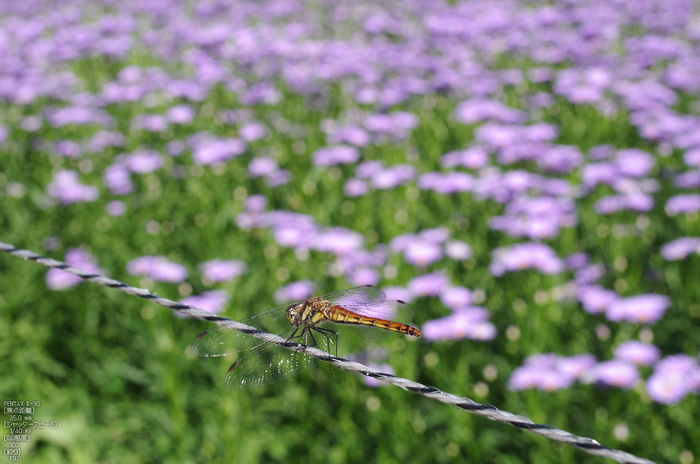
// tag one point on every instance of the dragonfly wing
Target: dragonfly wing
(357, 296)
(371, 302)
(223, 340)
(269, 363)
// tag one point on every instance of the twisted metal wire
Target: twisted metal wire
(587, 444)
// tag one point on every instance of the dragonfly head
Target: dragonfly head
(293, 314)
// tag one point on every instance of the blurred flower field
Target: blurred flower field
(524, 173)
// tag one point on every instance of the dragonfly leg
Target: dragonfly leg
(327, 333)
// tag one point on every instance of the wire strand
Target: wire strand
(587, 444)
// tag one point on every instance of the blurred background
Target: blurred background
(523, 173)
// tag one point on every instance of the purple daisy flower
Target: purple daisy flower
(217, 151)
(157, 268)
(457, 250)
(680, 248)
(260, 167)
(143, 161)
(683, 204)
(673, 379)
(214, 301)
(57, 279)
(256, 203)
(645, 309)
(295, 291)
(639, 353)
(253, 131)
(596, 299)
(181, 114)
(339, 154)
(355, 187)
(615, 373)
(456, 297)
(429, 284)
(470, 322)
(67, 188)
(219, 271)
(522, 256)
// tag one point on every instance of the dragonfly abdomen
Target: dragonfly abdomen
(343, 316)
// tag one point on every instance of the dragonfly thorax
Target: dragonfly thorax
(309, 313)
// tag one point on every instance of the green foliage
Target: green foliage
(117, 374)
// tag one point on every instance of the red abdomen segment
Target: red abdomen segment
(343, 316)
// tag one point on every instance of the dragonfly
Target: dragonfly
(313, 322)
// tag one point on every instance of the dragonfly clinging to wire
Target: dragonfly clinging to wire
(313, 322)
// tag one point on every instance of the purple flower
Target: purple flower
(476, 157)
(151, 122)
(560, 158)
(688, 180)
(355, 187)
(550, 372)
(674, 377)
(295, 291)
(589, 274)
(116, 208)
(253, 131)
(596, 299)
(639, 353)
(118, 179)
(577, 261)
(633, 162)
(680, 248)
(181, 114)
(446, 183)
(353, 135)
(692, 157)
(256, 203)
(683, 204)
(338, 240)
(576, 366)
(428, 284)
(143, 161)
(67, 148)
(339, 154)
(79, 115)
(57, 279)
(398, 293)
(422, 254)
(279, 177)
(391, 177)
(645, 309)
(469, 322)
(615, 373)
(104, 139)
(213, 301)
(522, 256)
(456, 297)
(363, 275)
(219, 271)
(218, 151)
(472, 111)
(600, 173)
(614, 203)
(368, 169)
(157, 268)
(67, 188)
(457, 250)
(396, 125)
(259, 167)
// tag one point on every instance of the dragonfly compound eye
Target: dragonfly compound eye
(292, 314)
